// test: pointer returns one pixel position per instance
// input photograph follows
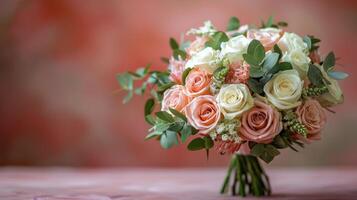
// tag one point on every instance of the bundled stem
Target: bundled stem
(246, 176)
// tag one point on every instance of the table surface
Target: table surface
(170, 184)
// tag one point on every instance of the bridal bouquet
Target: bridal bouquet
(248, 91)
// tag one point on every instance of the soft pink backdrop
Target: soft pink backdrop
(59, 59)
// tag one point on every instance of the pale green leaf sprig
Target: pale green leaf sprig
(313, 91)
(292, 122)
(169, 126)
(218, 79)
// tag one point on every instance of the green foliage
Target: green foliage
(185, 74)
(165, 116)
(266, 152)
(216, 40)
(291, 121)
(165, 60)
(277, 50)
(285, 139)
(311, 42)
(270, 23)
(200, 143)
(178, 51)
(173, 44)
(233, 24)
(255, 86)
(315, 76)
(313, 91)
(168, 139)
(255, 52)
(337, 75)
(219, 76)
(270, 61)
(329, 62)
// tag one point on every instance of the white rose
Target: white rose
(234, 100)
(206, 60)
(291, 41)
(299, 60)
(334, 95)
(284, 89)
(234, 48)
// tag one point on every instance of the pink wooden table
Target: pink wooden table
(170, 184)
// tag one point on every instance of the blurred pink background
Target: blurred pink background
(59, 59)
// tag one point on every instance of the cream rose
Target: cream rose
(234, 100)
(234, 48)
(291, 41)
(261, 123)
(299, 60)
(198, 83)
(267, 36)
(312, 115)
(175, 98)
(284, 89)
(206, 60)
(203, 113)
(334, 95)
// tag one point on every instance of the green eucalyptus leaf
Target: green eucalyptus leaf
(270, 22)
(173, 44)
(307, 40)
(270, 61)
(329, 62)
(186, 132)
(278, 51)
(337, 75)
(178, 53)
(125, 81)
(315, 76)
(164, 87)
(150, 120)
(216, 40)
(255, 86)
(233, 24)
(185, 74)
(176, 126)
(196, 144)
(165, 116)
(149, 106)
(152, 135)
(161, 127)
(168, 139)
(256, 50)
(208, 142)
(258, 149)
(178, 114)
(256, 72)
(128, 97)
(251, 60)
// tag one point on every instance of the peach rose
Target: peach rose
(197, 45)
(176, 68)
(175, 98)
(238, 73)
(312, 115)
(203, 113)
(261, 123)
(267, 36)
(198, 83)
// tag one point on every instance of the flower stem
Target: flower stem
(248, 177)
